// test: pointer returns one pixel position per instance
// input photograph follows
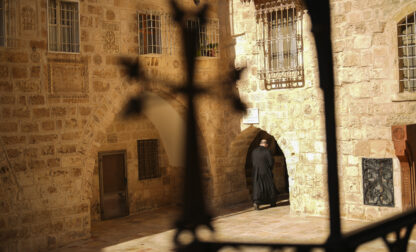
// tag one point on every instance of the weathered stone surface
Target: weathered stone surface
(29, 127)
(58, 110)
(19, 72)
(8, 127)
(7, 99)
(37, 100)
(60, 84)
(41, 112)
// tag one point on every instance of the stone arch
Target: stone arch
(111, 106)
(402, 12)
(238, 151)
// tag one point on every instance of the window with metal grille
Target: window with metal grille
(208, 35)
(63, 32)
(156, 33)
(28, 19)
(2, 24)
(148, 156)
(280, 45)
(10, 23)
(407, 53)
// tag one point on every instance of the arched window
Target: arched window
(406, 30)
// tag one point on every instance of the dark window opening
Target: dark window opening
(148, 157)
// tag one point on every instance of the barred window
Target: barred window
(2, 24)
(407, 53)
(156, 33)
(280, 45)
(8, 23)
(63, 23)
(208, 37)
(28, 15)
(148, 156)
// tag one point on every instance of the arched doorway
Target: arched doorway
(280, 173)
(161, 123)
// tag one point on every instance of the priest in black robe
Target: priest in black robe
(264, 190)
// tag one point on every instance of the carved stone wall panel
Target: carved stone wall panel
(111, 43)
(28, 19)
(67, 77)
(378, 181)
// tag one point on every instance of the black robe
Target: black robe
(264, 191)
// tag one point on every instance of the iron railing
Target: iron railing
(194, 212)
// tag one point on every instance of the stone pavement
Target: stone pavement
(152, 231)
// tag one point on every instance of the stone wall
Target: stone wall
(368, 103)
(123, 134)
(55, 108)
(292, 116)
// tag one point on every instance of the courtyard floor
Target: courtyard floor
(153, 231)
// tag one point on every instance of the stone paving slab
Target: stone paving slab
(153, 231)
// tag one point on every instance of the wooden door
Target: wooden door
(113, 184)
(404, 139)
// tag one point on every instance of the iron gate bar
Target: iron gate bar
(194, 213)
(380, 229)
(321, 28)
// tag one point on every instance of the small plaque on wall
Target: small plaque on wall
(378, 181)
(67, 77)
(252, 116)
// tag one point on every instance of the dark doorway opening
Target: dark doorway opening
(280, 174)
(113, 184)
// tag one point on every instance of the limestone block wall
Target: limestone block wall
(292, 116)
(369, 102)
(123, 134)
(55, 108)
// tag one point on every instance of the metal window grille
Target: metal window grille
(2, 35)
(150, 35)
(209, 37)
(280, 46)
(28, 22)
(8, 29)
(156, 33)
(63, 26)
(407, 53)
(148, 156)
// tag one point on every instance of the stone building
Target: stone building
(69, 158)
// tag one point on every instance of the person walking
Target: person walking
(264, 190)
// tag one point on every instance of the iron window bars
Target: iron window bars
(406, 30)
(63, 26)
(2, 24)
(28, 17)
(156, 33)
(8, 23)
(280, 45)
(148, 159)
(208, 37)
(194, 213)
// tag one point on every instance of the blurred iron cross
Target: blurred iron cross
(194, 213)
